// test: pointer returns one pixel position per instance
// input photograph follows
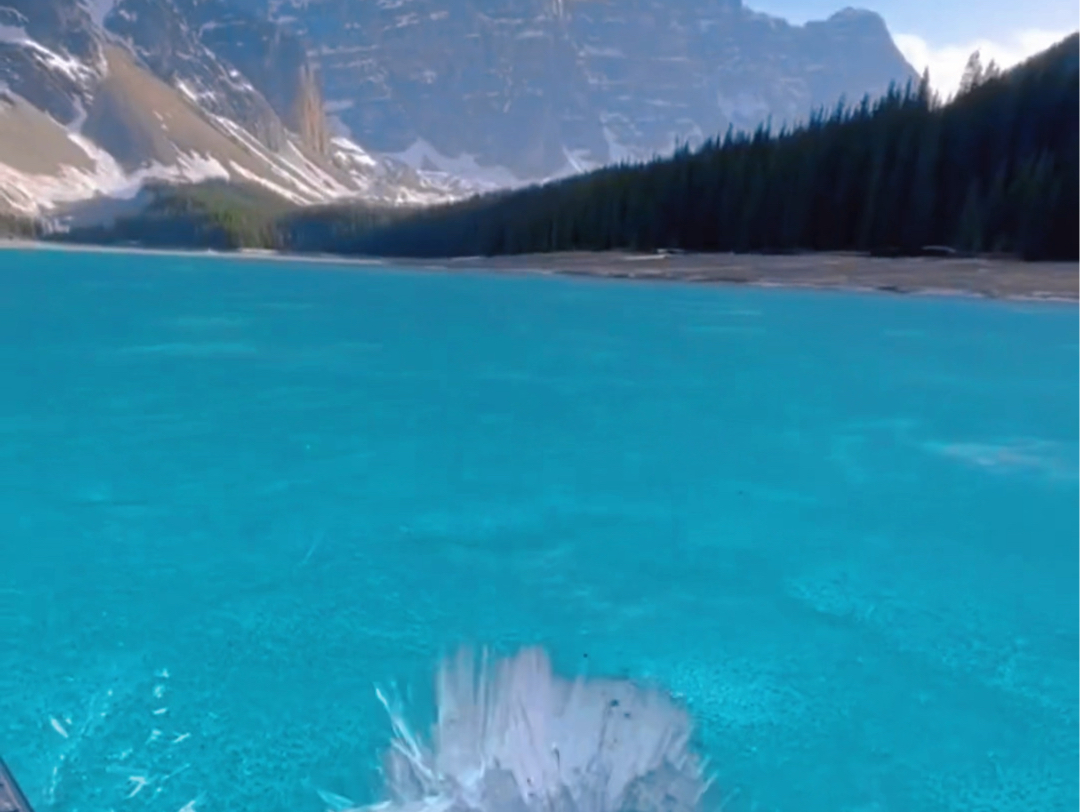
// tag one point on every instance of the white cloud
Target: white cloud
(947, 62)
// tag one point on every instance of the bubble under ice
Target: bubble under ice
(512, 736)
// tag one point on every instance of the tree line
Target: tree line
(993, 170)
(17, 227)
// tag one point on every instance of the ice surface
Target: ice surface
(839, 529)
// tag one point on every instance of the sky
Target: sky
(941, 34)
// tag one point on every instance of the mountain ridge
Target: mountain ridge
(128, 91)
(263, 91)
(536, 89)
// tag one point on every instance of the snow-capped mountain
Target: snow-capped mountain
(99, 96)
(398, 101)
(528, 89)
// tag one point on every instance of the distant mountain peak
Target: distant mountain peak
(862, 18)
(854, 13)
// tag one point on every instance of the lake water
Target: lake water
(237, 495)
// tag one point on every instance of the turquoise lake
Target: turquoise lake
(237, 495)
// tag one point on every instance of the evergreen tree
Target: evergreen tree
(994, 169)
(973, 74)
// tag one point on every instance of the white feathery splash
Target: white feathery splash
(512, 736)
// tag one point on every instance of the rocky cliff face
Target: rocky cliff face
(48, 54)
(237, 64)
(496, 92)
(534, 88)
(117, 92)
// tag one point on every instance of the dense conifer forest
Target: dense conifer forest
(993, 170)
(13, 227)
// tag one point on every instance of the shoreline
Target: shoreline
(987, 278)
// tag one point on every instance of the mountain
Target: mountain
(997, 169)
(98, 97)
(514, 90)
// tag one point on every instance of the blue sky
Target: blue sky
(940, 34)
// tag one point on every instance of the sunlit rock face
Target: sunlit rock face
(540, 87)
(99, 97)
(512, 736)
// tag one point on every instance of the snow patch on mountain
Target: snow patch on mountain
(56, 62)
(381, 178)
(291, 174)
(99, 10)
(353, 153)
(577, 162)
(41, 194)
(100, 97)
(427, 160)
